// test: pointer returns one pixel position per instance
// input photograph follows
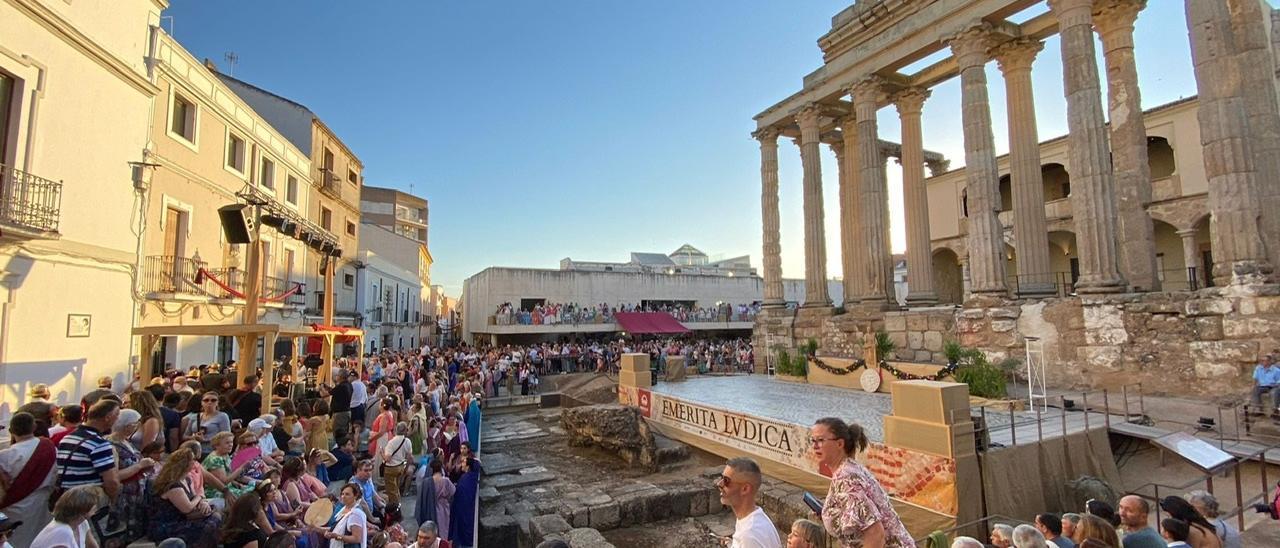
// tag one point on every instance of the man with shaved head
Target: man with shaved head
(1134, 512)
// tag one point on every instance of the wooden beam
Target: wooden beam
(268, 371)
(144, 360)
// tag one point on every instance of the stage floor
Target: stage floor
(787, 401)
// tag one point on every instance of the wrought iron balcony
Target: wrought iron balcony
(330, 183)
(29, 203)
(169, 275)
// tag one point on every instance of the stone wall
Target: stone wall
(1200, 344)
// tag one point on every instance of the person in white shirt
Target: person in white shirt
(738, 485)
(359, 397)
(1175, 532)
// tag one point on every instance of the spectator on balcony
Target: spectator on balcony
(1266, 380)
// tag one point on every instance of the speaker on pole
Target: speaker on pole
(237, 223)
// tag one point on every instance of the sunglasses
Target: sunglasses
(724, 482)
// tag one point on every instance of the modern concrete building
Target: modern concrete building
(684, 278)
(393, 289)
(211, 149)
(336, 174)
(76, 92)
(399, 212)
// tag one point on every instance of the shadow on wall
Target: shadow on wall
(64, 377)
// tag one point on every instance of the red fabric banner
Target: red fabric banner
(649, 322)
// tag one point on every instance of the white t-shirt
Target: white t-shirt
(755, 531)
(359, 393)
(61, 534)
(351, 519)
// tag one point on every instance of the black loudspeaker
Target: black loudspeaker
(237, 223)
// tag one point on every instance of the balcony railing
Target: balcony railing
(1049, 284)
(29, 202)
(167, 274)
(1184, 279)
(330, 183)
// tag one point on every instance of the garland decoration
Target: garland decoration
(897, 373)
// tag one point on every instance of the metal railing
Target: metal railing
(330, 183)
(1059, 284)
(28, 201)
(178, 275)
(1182, 279)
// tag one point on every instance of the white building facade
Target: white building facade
(75, 111)
(393, 288)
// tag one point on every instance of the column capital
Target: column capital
(937, 167)
(767, 135)
(1071, 12)
(910, 100)
(970, 44)
(868, 90)
(1017, 54)
(807, 117)
(837, 148)
(1113, 14)
(849, 127)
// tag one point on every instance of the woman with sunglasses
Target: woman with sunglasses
(204, 424)
(857, 511)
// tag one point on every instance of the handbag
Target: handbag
(58, 489)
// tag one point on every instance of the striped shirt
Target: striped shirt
(83, 463)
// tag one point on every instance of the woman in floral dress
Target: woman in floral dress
(857, 511)
(218, 463)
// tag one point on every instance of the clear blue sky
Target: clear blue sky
(591, 128)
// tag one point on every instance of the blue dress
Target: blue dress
(462, 513)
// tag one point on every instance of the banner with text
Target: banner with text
(919, 478)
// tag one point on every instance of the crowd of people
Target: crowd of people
(536, 360)
(1190, 520)
(857, 511)
(190, 459)
(573, 313)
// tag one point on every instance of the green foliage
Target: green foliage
(811, 347)
(787, 364)
(953, 351)
(884, 345)
(984, 379)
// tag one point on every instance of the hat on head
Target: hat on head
(268, 418)
(259, 424)
(213, 367)
(326, 457)
(104, 382)
(7, 524)
(40, 390)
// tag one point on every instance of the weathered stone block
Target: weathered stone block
(1101, 357)
(713, 502)
(899, 339)
(631, 509)
(915, 340)
(657, 505)
(1252, 326)
(923, 356)
(1003, 313)
(1207, 328)
(1259, 305)
(939, 322)
(606, 516)
(895, 322)
(581, 517)
(698, 503)
(679, 504)
(1003, 326)
(1206, 307)
(933, 341)
(586, 538)
(1215, 370)
(499, 531)
(917, 322)
(1224, 351)
(550, 524)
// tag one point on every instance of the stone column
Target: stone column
(1190, 254)
(770, 218)
(985, 240)
(1229, 162)
(873, 193)
(1092, 185)
(1113, 20)
(915, 199)
(1030, 229)
(854, 254)
(815, 241)
(1249, 22)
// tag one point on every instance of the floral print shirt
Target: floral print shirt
(856, 501)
